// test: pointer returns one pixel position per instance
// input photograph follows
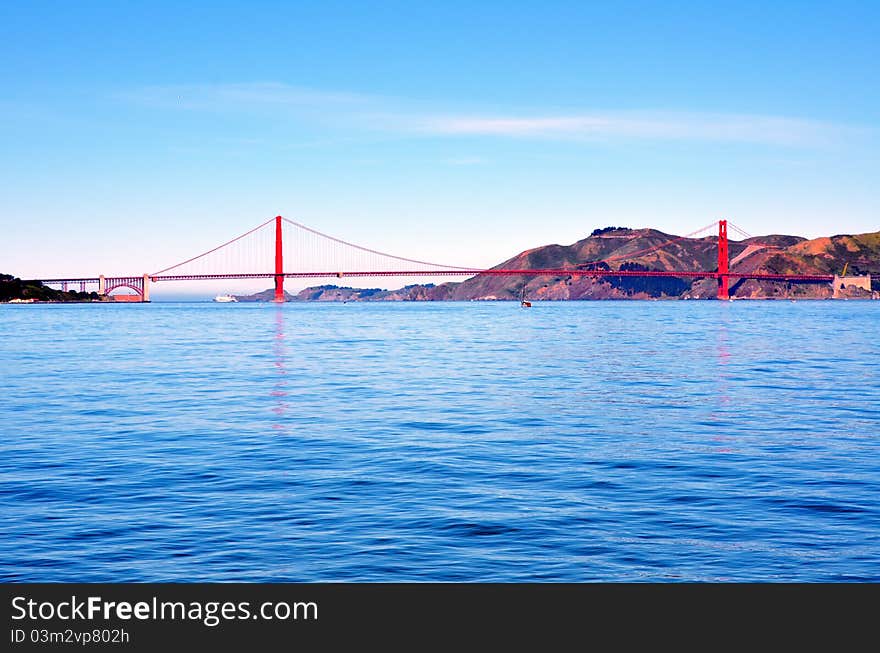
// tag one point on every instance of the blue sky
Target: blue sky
(135, 135)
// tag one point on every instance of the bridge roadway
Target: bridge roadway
(551, 272)
(141, 284)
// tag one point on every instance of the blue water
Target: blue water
(581, 441)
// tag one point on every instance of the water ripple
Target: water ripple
(606, 441)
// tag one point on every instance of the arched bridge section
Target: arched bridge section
(140, 284)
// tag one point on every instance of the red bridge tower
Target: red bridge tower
(723, 261)
(279, 262)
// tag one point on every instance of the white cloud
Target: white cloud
(378, 114)
(640, 126)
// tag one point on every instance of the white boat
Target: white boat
(225, 298)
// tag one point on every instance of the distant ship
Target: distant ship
(225, 298)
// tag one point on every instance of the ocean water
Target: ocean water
(573, 441)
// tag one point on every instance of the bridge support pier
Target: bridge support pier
(839, 284)
(146, 294)
(723, 262)
(102, 285)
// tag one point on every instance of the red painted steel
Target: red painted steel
(553, 272)
(219, 247)
(723, 261)
(722, 275)
(132, 283)
(279, 262)
(299, 225)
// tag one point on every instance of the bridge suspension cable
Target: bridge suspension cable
(266, 252)
(373, 251)
(742, 232)
(215, 249)
(305, 251)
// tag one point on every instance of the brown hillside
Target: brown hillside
(638, 249)
(775, 253)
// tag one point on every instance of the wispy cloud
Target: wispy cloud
(641, 126)
(385, 115)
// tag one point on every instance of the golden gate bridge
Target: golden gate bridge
(281, 248)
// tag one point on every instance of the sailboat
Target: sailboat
(522, 299)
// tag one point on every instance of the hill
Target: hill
(330, 293)
(621, 248)
(634, 249)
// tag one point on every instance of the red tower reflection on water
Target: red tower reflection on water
(279, 352)
(721, 412)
